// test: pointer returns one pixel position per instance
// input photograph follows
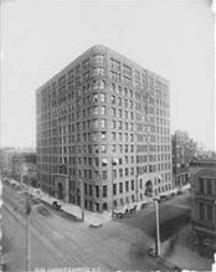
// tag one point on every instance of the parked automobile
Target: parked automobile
(157, 198)
(130, 208)
(16, 186)
(118, 214)
(133, 209)
(95, 225)
(143, 205)
(180, 192)
(164, 197)
(3, 264)
(6, 180)
(151, 252)
(56, 205)
(177, 269)
(173, 194)
(42, 209)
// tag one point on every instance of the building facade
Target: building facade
(6, 154)
(203, 214)
(103, 132)
(24, 167)
(183, 151)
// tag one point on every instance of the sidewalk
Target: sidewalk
(90, 218)
(187, 259)
(180, 255)
(183, 254)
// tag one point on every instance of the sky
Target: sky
(174, 38)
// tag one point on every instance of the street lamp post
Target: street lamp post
(82, 199)
(137, 188)
(29, 208)
(1, 203)
(28, 244)
(157, 222)
(113, 162)
(112, 187)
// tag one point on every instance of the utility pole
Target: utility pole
(157, 222)
(112, 186)
(1, 234)
(82, 198)
(21, 178)
(137, 188)
(81, 185)
(113, 162)
(28, 244)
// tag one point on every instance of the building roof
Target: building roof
(101, 48)
(203, 162)
(24, 157)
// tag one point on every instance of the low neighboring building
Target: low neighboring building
(203, 214)
(183, 150)
(24, 167)
(6, 155)
(203, 152)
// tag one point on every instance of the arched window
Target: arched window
(148, 188)
(98, 84)
(98, 71)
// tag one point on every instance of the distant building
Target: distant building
(103, 132)
(183, 151)
(24, 167)
(204, 153)
(6, 155)
(203, 215)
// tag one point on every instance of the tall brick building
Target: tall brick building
(183, 151)
(103, 132)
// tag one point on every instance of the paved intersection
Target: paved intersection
(57, 241)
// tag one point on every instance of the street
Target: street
(61, 241)
(173, 214)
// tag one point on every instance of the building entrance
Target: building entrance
(60, 191)
(149, 188)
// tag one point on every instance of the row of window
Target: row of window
(95, 161)
(205, 212)
(127, 71)
(120, 201)
(101, 110)
(76, 71)
(119, 113)
(95, 206)
(48, 139)
(128, 199)
(97, 175)
(153, 168)
(126, 92)
(86, 101)
(97, 84)
(46, 142)
(119, 79)
(94, 174)
(46, 99)
(91, 190)
(206, 186)
(141, 148)
(143, 138)
(45, 127)
(152, 158)
(159, 104)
